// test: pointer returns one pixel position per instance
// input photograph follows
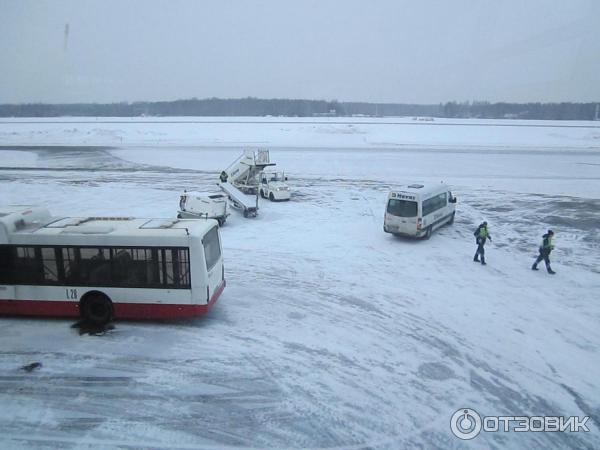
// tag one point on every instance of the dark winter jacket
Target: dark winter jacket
(547, 244)
(482, 234)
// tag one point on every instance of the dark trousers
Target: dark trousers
(543, 256)
(480, 250)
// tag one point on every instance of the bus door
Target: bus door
(214, 261)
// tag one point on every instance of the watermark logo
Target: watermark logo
(466, 423)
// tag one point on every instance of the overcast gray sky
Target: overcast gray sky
(418, 51)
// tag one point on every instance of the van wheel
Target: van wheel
(97, 308)
(271, 197)
(428, 232)
(451, 221)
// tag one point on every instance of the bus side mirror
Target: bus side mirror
(453, 200)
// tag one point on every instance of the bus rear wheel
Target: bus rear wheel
(97, 308)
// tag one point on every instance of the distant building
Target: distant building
(331, 113)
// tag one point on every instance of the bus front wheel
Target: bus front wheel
(97, 308)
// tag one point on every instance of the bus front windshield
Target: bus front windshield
(402, 208)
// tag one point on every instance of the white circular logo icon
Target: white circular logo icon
(465, 423)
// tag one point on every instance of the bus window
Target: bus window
(212, 248)
(402, 208)
(165, 261)
(5, 264)
(95, 265)
(183, 257)
(70, 257)
(142, 264)
(122, 266)
(50, 265)
(26, 267)
(134, 267)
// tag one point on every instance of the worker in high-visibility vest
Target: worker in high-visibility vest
(481, 235)
(545, 250)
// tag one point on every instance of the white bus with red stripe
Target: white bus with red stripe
(104, 268)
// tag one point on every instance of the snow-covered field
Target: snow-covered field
(331, 132)
(330, 333)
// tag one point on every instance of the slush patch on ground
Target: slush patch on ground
(92, 329)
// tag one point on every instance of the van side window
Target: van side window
(443, 201)
(434, 203)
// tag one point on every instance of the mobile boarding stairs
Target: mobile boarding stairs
(240, 180)
(244, 172)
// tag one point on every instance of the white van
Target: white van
(418, 209)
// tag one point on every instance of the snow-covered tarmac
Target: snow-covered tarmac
(330, 333)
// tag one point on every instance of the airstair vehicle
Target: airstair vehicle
(244, 172)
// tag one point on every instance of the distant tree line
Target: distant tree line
(540, 111)
(305, 108)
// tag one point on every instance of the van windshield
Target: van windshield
(402, 208)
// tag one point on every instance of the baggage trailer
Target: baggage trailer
(247, 203)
